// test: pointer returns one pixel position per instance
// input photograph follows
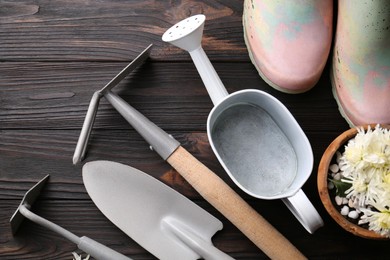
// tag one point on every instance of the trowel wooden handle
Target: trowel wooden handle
(232, 206)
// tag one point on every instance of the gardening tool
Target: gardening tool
(202, 179)
(254, 136)
(163, 221)
(95, 249)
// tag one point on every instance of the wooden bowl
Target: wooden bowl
(322, 183)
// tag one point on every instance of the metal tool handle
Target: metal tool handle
(23, 209)
(210, 252)
(99, 251)
(204, 248)
(232, 206)
(158, 139)
(95, 249)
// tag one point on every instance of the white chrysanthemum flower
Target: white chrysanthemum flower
(358, 190)
(79, 257)
(385, 184)
(376, 152)
(367, 149)
(378, 221)
(352, 158)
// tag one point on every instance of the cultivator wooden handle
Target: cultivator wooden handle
(232, 206)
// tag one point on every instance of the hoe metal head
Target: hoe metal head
(27, 201)
(93, 105)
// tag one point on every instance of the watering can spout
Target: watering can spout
(187, 34)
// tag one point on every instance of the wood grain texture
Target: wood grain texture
(55, 53)
(112, 30)
(172, 95)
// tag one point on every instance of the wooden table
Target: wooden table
(55, 54)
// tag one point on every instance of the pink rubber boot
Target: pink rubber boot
(288, 40)
(361, 61)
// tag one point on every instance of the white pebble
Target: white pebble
(338, 156)
(338, 200)
(330, 185)
(337, 176)
(353, 203)
(345, 201)
(344, 211)
(334, 168)
(353, 214)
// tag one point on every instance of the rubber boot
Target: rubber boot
(288, 40)
(360, 72)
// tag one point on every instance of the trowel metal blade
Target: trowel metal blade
(146, 209)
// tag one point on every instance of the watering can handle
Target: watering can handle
(232, 206)
(304, 211)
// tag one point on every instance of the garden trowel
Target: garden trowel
(161, 220)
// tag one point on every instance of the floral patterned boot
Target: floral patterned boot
(361, 61)
(288, 41)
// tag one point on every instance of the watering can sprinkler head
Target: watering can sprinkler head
(186, 34)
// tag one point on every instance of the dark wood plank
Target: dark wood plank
(113, 30)
(172, 95)
(27, 156)
(92, 223)
(83, 218)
